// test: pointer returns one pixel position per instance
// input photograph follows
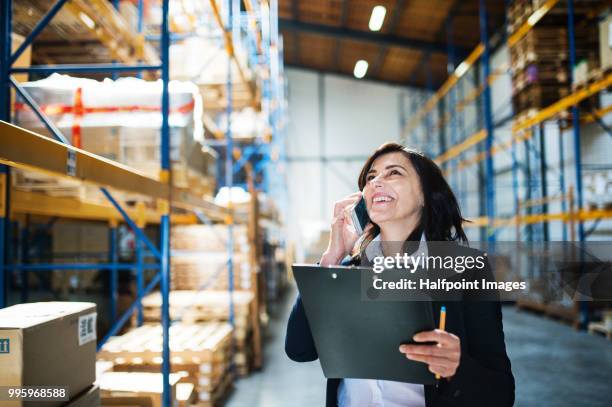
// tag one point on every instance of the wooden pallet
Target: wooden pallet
(208, 238)
(200, 353)
(537, 97)
(214, 96)
(213, 306)
(217, 396)
(209, 270)
(531, 304)
(594, 75)
(600, 328)
(134, 389)
(194, 343)
(200, 306)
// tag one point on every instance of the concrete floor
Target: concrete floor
(554, 366)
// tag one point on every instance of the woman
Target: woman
(408, 199)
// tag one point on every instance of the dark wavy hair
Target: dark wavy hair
(441, 218)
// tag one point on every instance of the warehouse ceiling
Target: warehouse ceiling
(410, 49)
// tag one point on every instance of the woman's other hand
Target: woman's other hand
(442, 358)
(343, 236)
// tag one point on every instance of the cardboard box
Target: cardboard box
(135, 389)
(48, 344)
(89, 398)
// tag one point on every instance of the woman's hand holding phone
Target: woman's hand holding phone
(343, 236)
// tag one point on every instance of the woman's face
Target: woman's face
(393, 191)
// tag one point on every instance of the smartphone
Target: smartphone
(359, 216)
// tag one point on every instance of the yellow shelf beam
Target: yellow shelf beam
(563, 104)
(463, 67)
(21, 148)
(583, 215)
(517, 137)
(37, 203)
(457, 149)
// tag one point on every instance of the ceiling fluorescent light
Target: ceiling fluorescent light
(361, 67)
(377, 18)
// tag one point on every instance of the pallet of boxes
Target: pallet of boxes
(121, 121)
(202, 341)
(200, 283)
(48, 349)
(539, 61)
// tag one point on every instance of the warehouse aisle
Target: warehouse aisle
(548, 359)
(282, 382)
(555, 365)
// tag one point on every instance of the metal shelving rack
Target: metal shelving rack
(531, 212)
(454, 157)
(24, 149)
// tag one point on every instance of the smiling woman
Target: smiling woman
(409, 201)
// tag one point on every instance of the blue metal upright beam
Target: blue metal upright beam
(562, 186)
(229, 164)
(575, 117)
(5, 114)
(165, 219)
(24, 240)
(38, 112)
(139, 248)
(113, 275)
(451, 102)
(488, 119)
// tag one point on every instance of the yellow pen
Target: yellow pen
(442, 326)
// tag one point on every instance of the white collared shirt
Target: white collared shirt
(381, 393)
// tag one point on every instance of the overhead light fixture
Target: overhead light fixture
(377, 18)
(361, 67)
(87, 20)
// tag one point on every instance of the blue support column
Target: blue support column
(24, 240)
(451, 103)
(229, 164)
(488, 119)
(562, 186)
(575, 117)
(139, 278)
(5, 113)
(114, 274)
(430, 90)
(140, 15)
(165, 219)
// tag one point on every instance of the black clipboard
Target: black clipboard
(356, 338)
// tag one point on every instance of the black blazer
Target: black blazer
(484, 376)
